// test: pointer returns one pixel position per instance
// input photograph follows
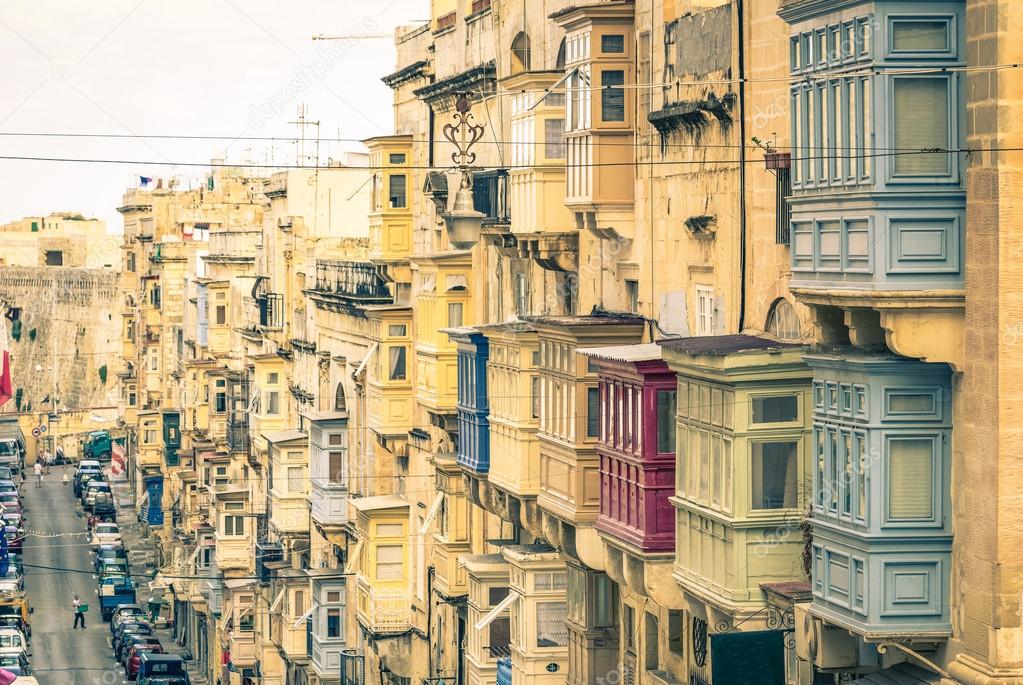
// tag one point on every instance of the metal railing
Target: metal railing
(354, 279)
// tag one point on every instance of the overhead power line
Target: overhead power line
(700, 162)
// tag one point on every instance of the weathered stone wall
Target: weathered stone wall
(71, 327)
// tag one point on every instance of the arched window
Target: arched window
(560, 63)
(340, 401)
(520, 53)
(782, 320)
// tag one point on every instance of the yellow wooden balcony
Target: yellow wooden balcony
(384, 593)
(390, 218)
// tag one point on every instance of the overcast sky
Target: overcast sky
(198, 67)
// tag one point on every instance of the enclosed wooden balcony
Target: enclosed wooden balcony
(390, 219)
(289, 491)
(569, 426)
(384, 592)
(743, 441)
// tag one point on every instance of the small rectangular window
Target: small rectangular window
(397, 158)
(221, 315)
(777, 409)
(273, 378)
(273, 403)
(397, 330)
(632, 296)
(496, 595)
(774, 475)
(667, 401)
(333, 623)
(612, 96)
(911, 479)
(54, 258)
(612, 43)
(396, 366)
(920, 36)
(336, 467)
(397, 191)
(592, 412)
(454, 314)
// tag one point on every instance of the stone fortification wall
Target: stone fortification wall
(68, 324)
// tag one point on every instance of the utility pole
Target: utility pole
(302, 123)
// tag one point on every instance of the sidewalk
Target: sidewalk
(142, 558)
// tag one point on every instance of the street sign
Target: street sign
(36, 432)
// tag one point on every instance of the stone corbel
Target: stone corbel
(933, 335)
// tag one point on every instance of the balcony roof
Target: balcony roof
(901, 674)
(722, 345)
(647, 352)
(597, 318)
(379, 502)
(284, 436)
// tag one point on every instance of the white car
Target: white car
(105, 534)
(11, 639)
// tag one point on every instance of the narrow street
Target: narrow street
(56, 568)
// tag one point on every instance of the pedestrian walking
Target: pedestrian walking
(79, 612)
(39, 474)
(47, 460)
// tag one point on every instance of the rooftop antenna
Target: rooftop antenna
(302, 123)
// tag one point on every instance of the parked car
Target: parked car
(12, 639)
(125, 612)
(7, 473)
(8, 485)
(162, 669)
(107, 553)
(15, 662)
(127, 629)
(11, 500)
(15, 538)
(103, 507)
(82, 478)
(135, 640)
(113, 567)
(13, 581)
(105, 533)
(93, 488)
(131, 664)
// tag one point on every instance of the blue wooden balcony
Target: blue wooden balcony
(882, 519)
(473, 424)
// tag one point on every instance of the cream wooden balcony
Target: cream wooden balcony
(289, 639)
(383, 611)
(242, 646)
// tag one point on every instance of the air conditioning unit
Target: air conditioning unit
(823, 645)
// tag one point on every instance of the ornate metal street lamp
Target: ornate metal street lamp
(463, 222)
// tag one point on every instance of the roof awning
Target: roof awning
(235, 583)
(901, 674)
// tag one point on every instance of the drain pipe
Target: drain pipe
(740, 25)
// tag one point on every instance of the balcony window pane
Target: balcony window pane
(780, 409)
(336, 467)
(919, 35)
(666, 402)
(554, 138)
(396, 367)
(551, 630)
(911, 479)
(273, 404)
(333, 623)
(774, 475)
(221, 314)
(534, 400)
(500, 637)
(592, 412)
(396, 191)
(921, 123)
(389, 562)
(612, 98)
(454, 315)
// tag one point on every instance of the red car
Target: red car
(131, 665)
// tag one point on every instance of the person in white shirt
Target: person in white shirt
(38, 470)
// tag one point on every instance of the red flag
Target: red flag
(6, 392)
(117, 459)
